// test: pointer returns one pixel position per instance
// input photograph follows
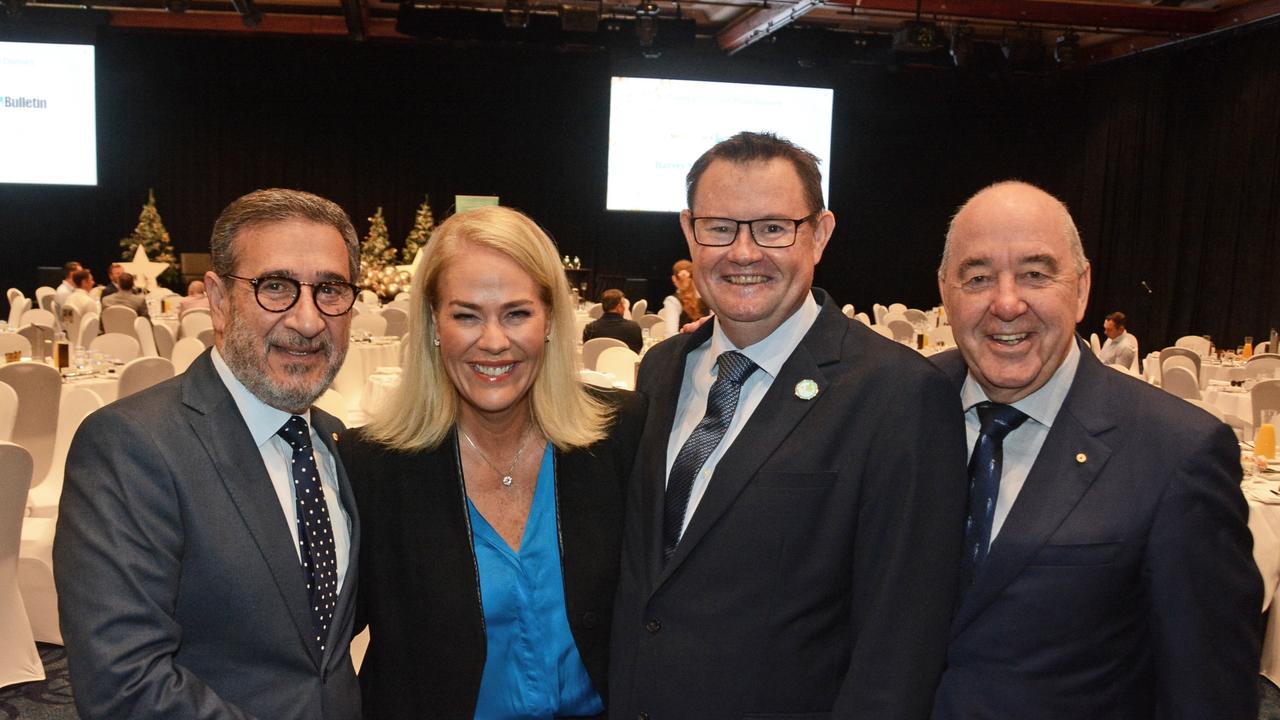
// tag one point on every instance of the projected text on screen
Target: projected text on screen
(47, 126)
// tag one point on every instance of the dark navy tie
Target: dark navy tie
(984, 482)
(315, 532)
(722, 401)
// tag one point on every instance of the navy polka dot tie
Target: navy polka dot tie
(984, 482)
(722, 402)
(315, 532)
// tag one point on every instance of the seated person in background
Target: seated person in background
(128, 296)
(67, 286)
(195, 297)
(614, 323)
(80, 299)
(113, 279)
(686, 302)
(1121, 348)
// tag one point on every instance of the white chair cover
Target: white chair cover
(142, 373)
(902, 330)
(1262, 366)
(1179, 380)
(592, 348)
(45, 296)
(193, 323)
(648, 321)
(76, 404)
(639, 308)
(19, 659)
(8, 411)
(1094, 344)
(146, 337)
(1195, 344)
(373, 324)
(37, 386)
(119, 319)
(38, 337)
(897, 307)
(891, 316)
(206, 337)
(620, 362)
(878, 311)
(915, 317)
(595, 311)
(43, 318)
(883, 330)
(863, 318)
(163, 339)
(670, 318)
(849, 311)
(1265, 396)
(1191, 355)
(658, 331)
(35, 579)
(89, 326)
(117, 345)
(185, 351)
(16, 310)
(13, 341)
(397, 321)
(370, 298)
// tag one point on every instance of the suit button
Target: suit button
(589, 619)
(653, 626)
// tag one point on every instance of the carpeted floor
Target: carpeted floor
(51, 699)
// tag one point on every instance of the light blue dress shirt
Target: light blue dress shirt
(532, 668)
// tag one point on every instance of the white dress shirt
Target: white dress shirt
(82, 301)
(700, 372)
(1120, 351)
(62, 292)
(264, 422)
(1023, 444)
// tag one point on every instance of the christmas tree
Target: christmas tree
(376, 249)
(423, 223)
(152, 236)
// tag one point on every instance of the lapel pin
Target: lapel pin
(806, 389)
(335, 437)
(1081, 458)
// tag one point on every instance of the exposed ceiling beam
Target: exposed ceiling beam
(758, 24)
(272, 23)
(1224, 19)
(1065, 13)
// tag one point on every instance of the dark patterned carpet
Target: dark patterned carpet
(51, 699)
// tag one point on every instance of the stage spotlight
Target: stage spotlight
(579, 19)
(647, 27)
(1067, 49)
(962, 46)
(515, 14)
(250, 15)
(1023, 48)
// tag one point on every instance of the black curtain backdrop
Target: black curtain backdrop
(1169, 160)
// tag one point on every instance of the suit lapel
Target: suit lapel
(1055, 484)
(769, 425)
(217, 422)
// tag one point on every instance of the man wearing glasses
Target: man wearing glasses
(797, 503)
(207, 540)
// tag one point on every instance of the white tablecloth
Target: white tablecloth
(1264, 524)
(363, 360)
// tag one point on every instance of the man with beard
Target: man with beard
(207, 540)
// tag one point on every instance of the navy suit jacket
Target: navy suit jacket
(817, 576)
(179, 588)
(1122, 584)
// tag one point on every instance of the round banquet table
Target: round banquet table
(364, 359)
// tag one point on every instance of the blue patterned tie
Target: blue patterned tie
(722, 401)
(984, 483)
(315, 532)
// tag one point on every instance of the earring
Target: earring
(435, 341)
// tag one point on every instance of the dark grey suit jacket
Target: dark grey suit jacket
(815, 578)
(180, 592)
(1122, 584)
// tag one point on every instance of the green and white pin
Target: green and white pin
(806, 389)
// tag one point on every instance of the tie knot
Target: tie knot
(998, 420)
(734, 367)
(295, 432)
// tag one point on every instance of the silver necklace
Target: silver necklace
(506, 477)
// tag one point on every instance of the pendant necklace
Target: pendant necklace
(506, 477)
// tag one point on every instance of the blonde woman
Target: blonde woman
(490, 491)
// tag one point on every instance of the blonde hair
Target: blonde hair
(421, 414)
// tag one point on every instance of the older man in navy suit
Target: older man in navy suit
(1107, 570)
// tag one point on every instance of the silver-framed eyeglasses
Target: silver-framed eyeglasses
(276, 293)
(766, 232)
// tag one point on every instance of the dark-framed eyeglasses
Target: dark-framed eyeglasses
(276, 293)
(766, 232)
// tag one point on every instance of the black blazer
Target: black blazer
(816, 578)
(420, 592)
(613, 325)
(1122, 585)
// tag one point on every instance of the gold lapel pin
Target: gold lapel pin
(335, 437)
(1081, 458)
(806, 389)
